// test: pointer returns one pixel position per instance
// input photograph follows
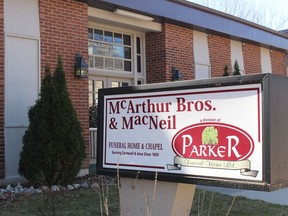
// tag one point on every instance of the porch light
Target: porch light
(176, 74)
(81, 68)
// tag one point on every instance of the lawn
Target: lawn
(84, 202)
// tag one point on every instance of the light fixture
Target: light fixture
(133, 15)
(81, 68)
(176, 74)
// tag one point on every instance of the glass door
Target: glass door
(96, 83)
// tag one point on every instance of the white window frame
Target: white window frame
(133, 75)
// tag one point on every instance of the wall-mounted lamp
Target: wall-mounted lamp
(176, 74)
(133, 15)
(81, 68)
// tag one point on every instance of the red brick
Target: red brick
(278, 62)
(252, 58)
(218, 60)
(63, 30)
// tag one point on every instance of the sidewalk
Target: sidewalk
(276, 197)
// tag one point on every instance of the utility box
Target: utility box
(229, 132)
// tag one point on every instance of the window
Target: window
(116, 59)
(109, 50)
(138, 54)
(115, 84)
(94, 86)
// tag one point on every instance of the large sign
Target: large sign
(203, 134)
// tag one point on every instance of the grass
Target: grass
(73, 203)
(86, 202)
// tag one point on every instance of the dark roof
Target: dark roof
(196, 16)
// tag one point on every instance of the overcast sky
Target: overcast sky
(272, 13)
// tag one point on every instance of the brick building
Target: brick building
(125, 42)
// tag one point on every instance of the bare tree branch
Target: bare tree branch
(263, 13)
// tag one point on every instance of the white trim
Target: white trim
(237, 55)
(6, 69)
(111, 18)
(133, 15)
(22, 17)
(197, 73)
(266, 66)
(133, 75)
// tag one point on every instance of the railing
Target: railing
(93, 144)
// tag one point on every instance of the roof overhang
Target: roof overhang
(198, 17)
(125, 19)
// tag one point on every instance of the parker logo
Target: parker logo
(215, 141)
(213, 145)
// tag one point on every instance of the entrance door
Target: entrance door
(96, 83)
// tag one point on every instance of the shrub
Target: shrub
(226, 71)
(236, 69)
(53, 145)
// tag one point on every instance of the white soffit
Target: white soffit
(107, 17)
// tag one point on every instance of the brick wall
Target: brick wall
(219, 54)
(278, 62)
(173, 47)
(252, 58)
(179, 51)
(63, 30)
(155, 57)
(2, 144)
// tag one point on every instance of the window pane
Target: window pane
(139, 82)
(98, 34)
(90, 48)
(117, 38)
(90, 33)
(139, 64)
(95, 48)
(108, 37)
(138, 45)
(127, 53)
(127, 65)
(118, 64)
(90, 99)
(99, 84)
(118, 51)
(90, 62)
(127, 40)
(109, 63)
(115, 84)
(99, 62)
(90, 85)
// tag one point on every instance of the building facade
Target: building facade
(124, 42)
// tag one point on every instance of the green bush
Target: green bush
(53, 145)
(236, 69)
(226, 73)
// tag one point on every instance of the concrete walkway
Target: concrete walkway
(276, 197)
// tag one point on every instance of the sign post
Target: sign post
(218, 132)
(147, 197)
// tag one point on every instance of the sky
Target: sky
(269, 13)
